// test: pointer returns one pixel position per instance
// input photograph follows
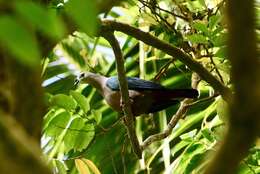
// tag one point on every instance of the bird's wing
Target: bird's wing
(134, 84)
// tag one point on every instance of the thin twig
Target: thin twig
(110, 127)
(215, 66)
(203, 100)
(163, 69)
(147, 4)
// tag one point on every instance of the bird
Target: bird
(145, 96)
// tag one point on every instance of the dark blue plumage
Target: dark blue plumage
(134, 83)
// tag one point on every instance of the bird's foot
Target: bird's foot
(122, 104)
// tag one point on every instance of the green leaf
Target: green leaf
(222, 52)
(97, 115)
(186, 163)
(52, 71)
(48, 117)
(208, 134)
(189, 136)
(57, 124)
(89, 164)
(179, 146)
(61, 167)
(197, 38)
(202, 2)
(225, 67)
(194, 162)
(213, 21)
(219, 40)
(63, 85)
(82, 167)
(81, 100)
(79, 135)
(43, 19)
(84, 14)
(64, 101)
(19, 41)
(201, 27)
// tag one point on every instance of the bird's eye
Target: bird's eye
(81, 75)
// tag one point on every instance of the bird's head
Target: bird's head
(79, 78)
(84, 77)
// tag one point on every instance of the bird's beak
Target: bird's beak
(76, 82)
(78, 79)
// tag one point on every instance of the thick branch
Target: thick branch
(244, 118)
(171, 50)
(129, 122)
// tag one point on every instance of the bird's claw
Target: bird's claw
(122, 104)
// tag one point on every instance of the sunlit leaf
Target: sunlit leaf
(91, 166)
(222, 52)
(19, 41)
(57, 124)
(97, 115)
(81, 166)
(201, 27)
(64, 101)
(213, 21)
(81, 100)
(186, 159)
(79, 135)
(207, 134)
(202, 2)
(197, 38)
(219, 40)
(61, 167)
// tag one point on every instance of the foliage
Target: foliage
(81, 134)
(196, 27)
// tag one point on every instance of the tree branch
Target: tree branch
(171, 50)
(244, 111)
(129, 121)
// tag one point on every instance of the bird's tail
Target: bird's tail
(179, 93)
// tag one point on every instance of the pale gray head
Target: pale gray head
(85, 77)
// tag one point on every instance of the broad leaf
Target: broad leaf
(197, 38)
(64, 101)
(97, 115)
(79, 135)
(57, 124)
(81, 100)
